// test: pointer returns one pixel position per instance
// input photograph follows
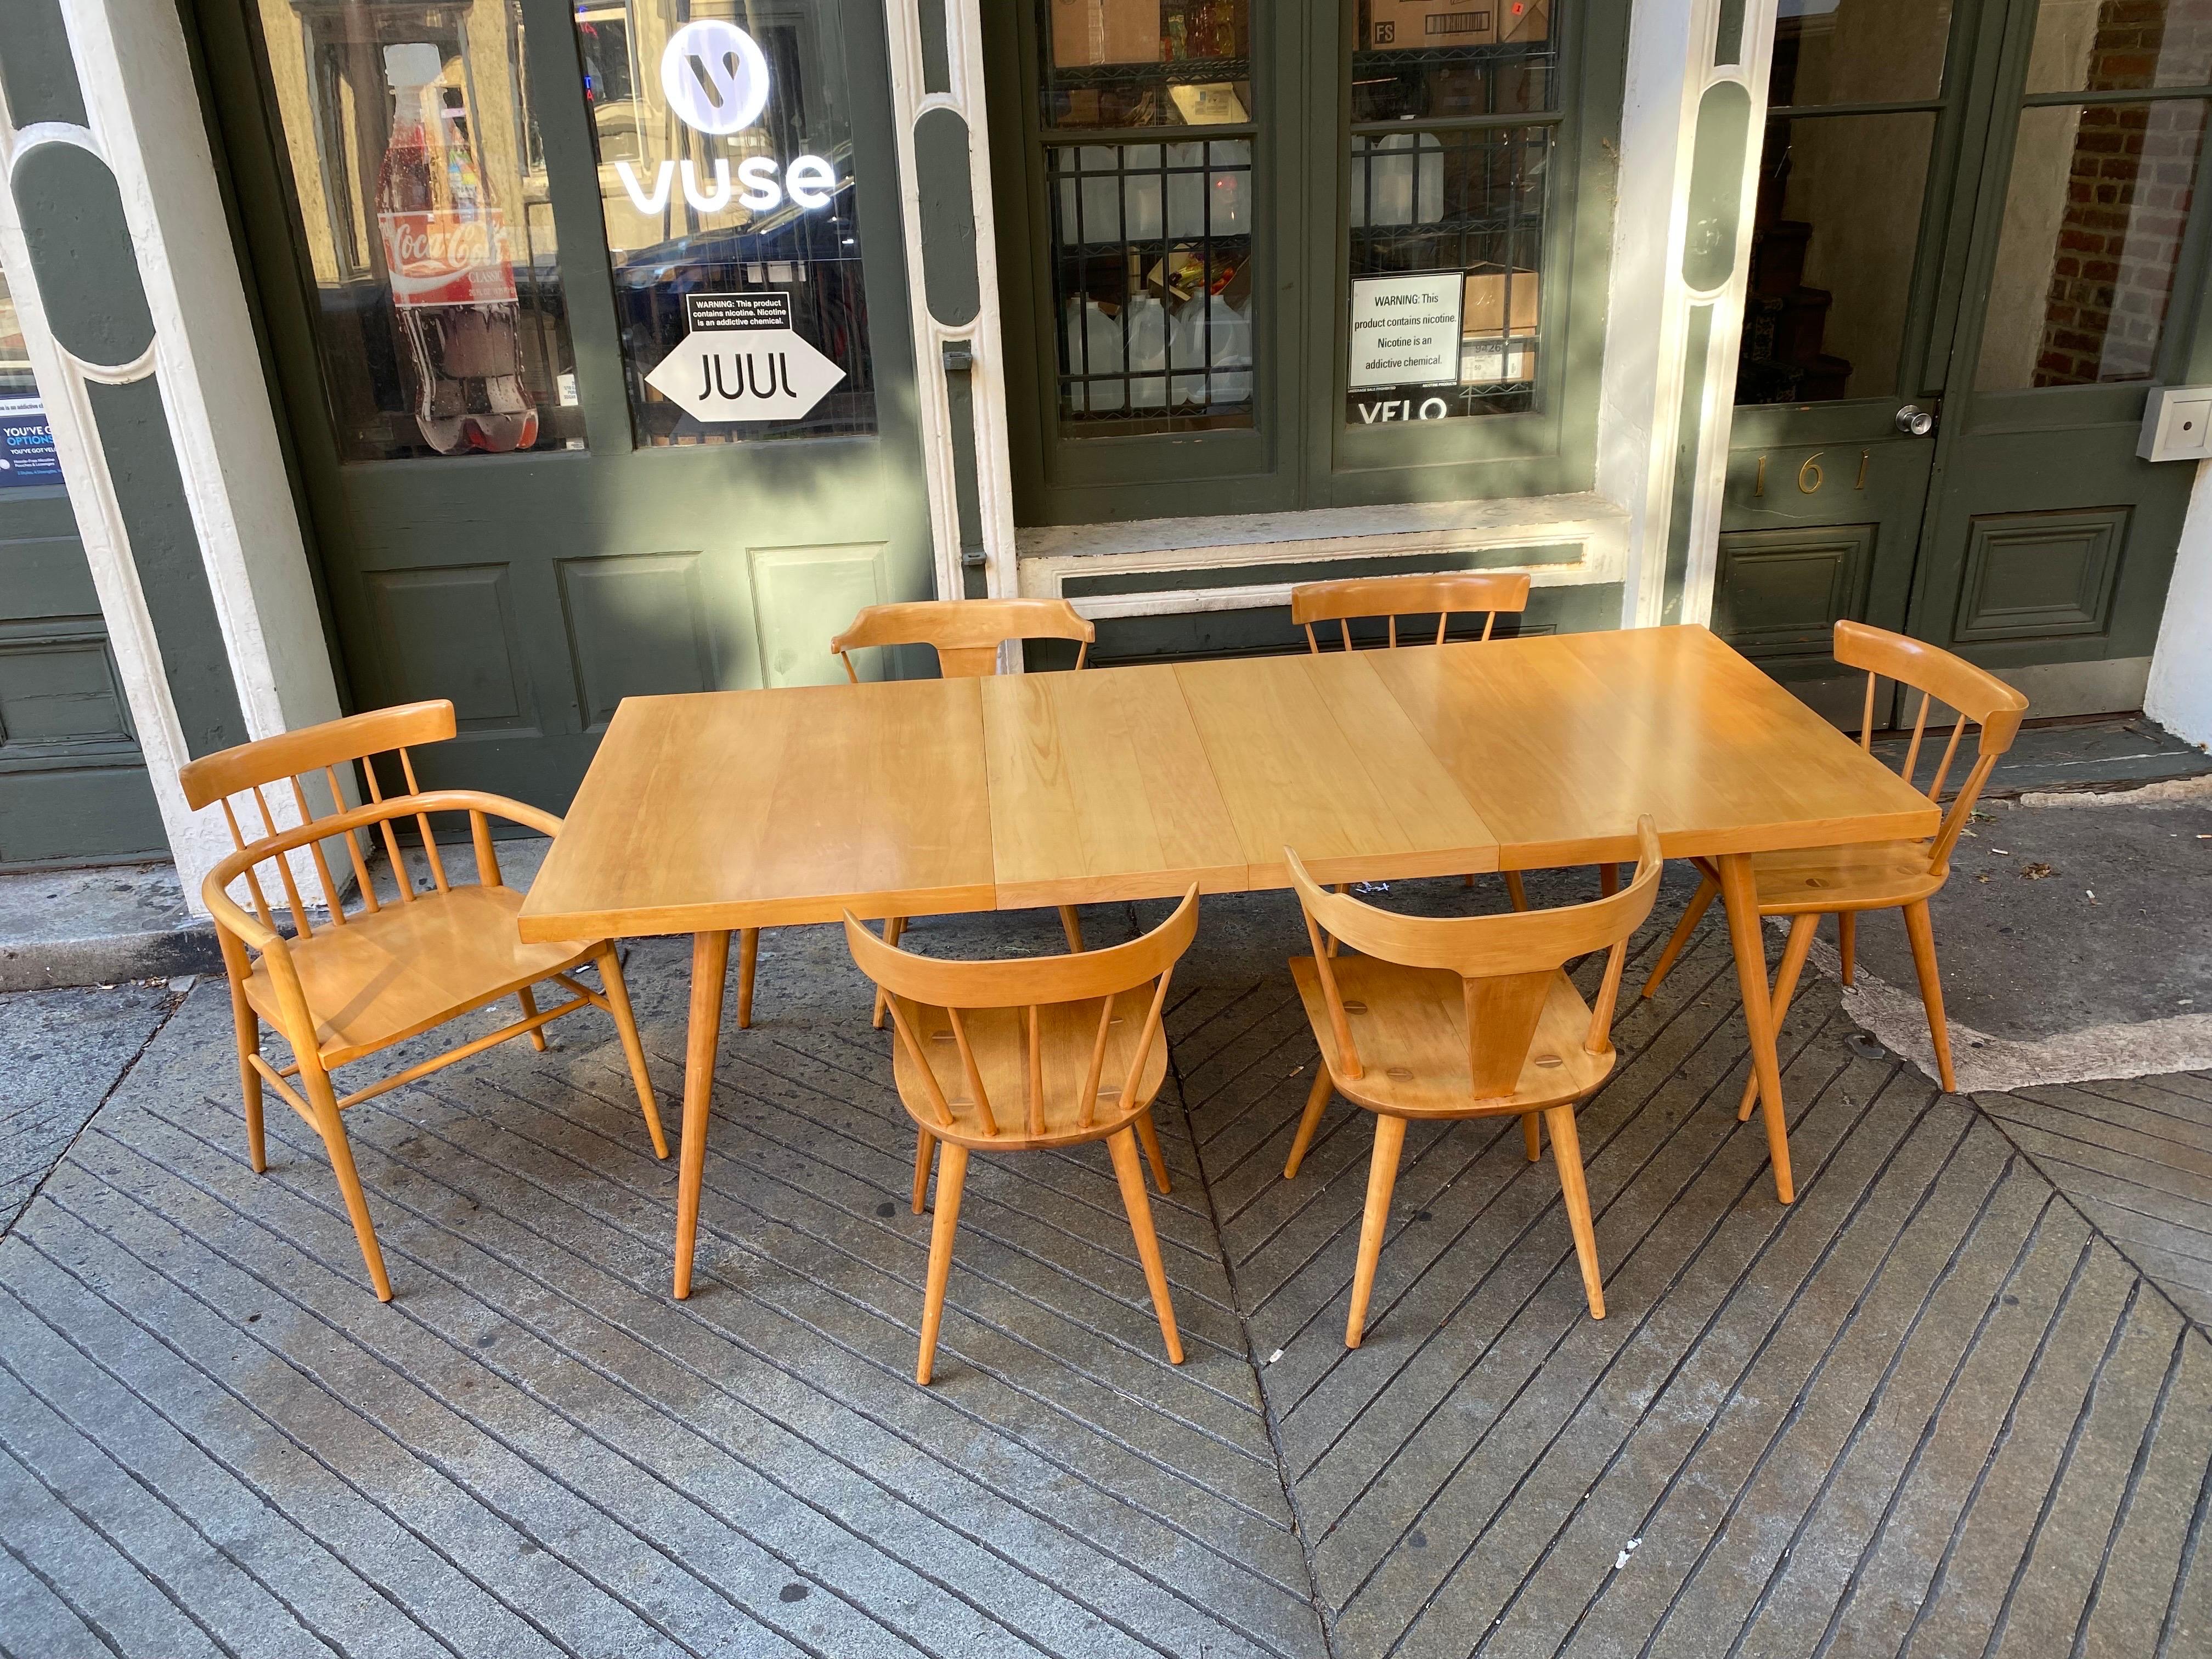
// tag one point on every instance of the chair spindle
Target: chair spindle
(423, 824)
(284, 869)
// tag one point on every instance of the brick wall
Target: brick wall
(2128, 199)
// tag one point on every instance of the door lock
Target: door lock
(1915, 422)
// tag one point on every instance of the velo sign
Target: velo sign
(743, 362)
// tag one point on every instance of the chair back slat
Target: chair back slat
(423, 824)
(315, 852)
(974, 1072)
(966, 633)
(253, 873)
(1086, 1105)
(906, 1034)
(312, 748)
(1506, 963)
(1941, 678)
(369, 901)
(284, 867)
(1445, 594)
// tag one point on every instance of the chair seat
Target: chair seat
(391, 974)
(1409, 1025)
(1874, 876)
(999, 1038)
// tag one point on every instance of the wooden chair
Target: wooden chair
(1843, 881)
(1463, 1016)
(967, 635)
(1447, 592)
(974, 1038)
(340, 989)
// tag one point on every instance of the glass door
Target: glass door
(591, 321)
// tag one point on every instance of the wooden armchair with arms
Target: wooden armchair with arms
(1844, 881)
(346, 985)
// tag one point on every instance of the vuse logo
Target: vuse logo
(715, 78)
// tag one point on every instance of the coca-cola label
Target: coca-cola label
(447, 259)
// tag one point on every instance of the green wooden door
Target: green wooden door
(1927, 185)
(73, 784)
(649, 170)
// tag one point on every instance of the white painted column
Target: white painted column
(144, 121)
(982, 334)
(2179, 695)
(1671, 48)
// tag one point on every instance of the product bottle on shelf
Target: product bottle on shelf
(453, 288)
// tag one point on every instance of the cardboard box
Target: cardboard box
(1087, 32)
(1483, 312)
(1424, 25)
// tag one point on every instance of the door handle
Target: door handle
(1915, 422)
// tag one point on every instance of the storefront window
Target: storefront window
(26, 443)
(1447, 189)
(725, 179)
(1152, 236)
(414, 161)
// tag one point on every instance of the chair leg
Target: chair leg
(1515, 891)
(1121, 1147)
(748, 957)
(1317, 1104)
(1609, 880)
(529, 1001)
(249, 1080)
(611, 975)
(924, 1149)
(332, 1130)
(1072, 925)
(1847, 940)
(1149, 1132)
(893, 926)
(1919, 929)
(950, 1173)
(1381, 1177)
(1532, 1134)
(1567, 1153)
(1699, 903)
(1802, 929)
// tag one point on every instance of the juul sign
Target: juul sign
(743, 362)
(715, 78)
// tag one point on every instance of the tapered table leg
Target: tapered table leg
(710, 962)
(1740, 892)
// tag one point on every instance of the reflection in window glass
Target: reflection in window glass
(2120, 45)
(1832, 251)
(1151, 241)
(726, 182)
(26, 442)
(1858, 52)
(1145, 63)
(2098, 200)
(1446, 221)
(415, 164)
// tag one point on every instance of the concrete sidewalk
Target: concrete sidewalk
(1928, 1408)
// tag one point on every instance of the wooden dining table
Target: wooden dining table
(727, 811)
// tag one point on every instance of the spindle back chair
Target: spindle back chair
(1844, 881)
(343, 985)
(1075, 1039)
(1447, 592)
(966, 633)
(1463, 1016)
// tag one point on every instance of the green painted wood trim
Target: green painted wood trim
(36, 70)
(164, 550)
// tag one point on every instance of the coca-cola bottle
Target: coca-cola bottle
(452, 289)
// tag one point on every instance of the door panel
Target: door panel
(539, 571)
(2057, 273)
(73, 785)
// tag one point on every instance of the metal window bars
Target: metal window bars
(1152, 246)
